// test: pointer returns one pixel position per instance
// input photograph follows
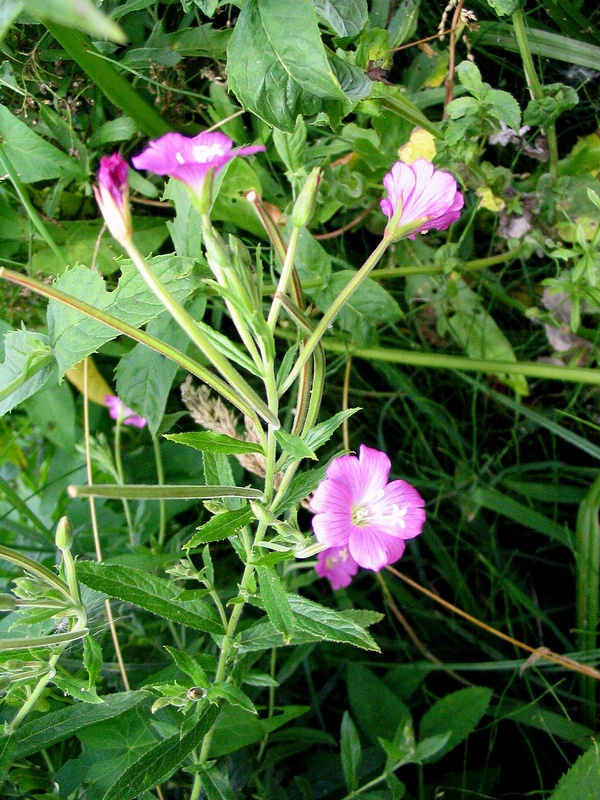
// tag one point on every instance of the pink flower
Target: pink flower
(337, 564)
(419, 198)
(112, 195)
(355, 507)
(189, 158)
(118, 410)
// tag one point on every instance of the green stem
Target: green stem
(121, 480)
(41, 641)
(137, 335)
(44, 574)
(160, 476)
(328, 317)
(166, 492)
(441, 361)
(36, 363)
(35, 218)
(537, 90)
(284, 278)
(187, 323)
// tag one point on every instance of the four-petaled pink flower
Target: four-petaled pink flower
(112, 195)
(337, 564)
(356, 507)
(189, 158)
(118, 410)
(420, 197)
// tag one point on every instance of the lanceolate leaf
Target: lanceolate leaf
(161, 761)
(215, 442)
(277, 65)
(147, 591)
(276, 602)
(74, 335)
(221, 526)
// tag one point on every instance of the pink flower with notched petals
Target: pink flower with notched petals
(337, 564)
(427, 197)
(356, 507)
(189, 158)
(118, 410)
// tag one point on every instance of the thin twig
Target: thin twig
(537, 652)
(452, 51)
(439, 35)
(333, 234)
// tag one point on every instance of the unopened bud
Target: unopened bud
(304, 207)
(4, 683)
(64, 534)
(7, 602)
(13, 665)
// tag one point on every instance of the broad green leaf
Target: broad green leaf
(237, 728)
(345, 17)
(458, 713)
(432, 748)
(277, 66)
(276, 602)
(350, 751)
(212, 442)
(470, 78)
(144, 377)
(28, 363)
(294, 446)
(582, 781)
(55, 726)
(79, 14)
(221, 526)
(161, 761)
(33, 158)
(377, 710)
(52, 410)
(504, 7)
(504, 107)
(9, 11)
(404, 22)
(216, 784)
(291, 147)
(190, 666)
(74, 335)
(149, 592)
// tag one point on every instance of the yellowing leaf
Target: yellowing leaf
(96, 385)
(489, 200)
(420, 145)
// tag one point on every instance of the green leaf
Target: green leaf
(9, 11)
(215, 783)
(33, 158)
(504, 107)
(52, 410)
(459, 713)
(28, 363)
(276, 602)
(7, 750)
(55, 726)
(220, 527)
(312, 623)
(161, 761)
(189, 666)
(92, 659)
(294, 446)
(322, 433)
(79, 14)
(504, 7)
(212, 442)
(74, 335)
(345, 17)
(350, 751)
(432, 746)
(149, 592)
(277, 66)
(377, 709)
(582, 781)
(237, 728)
(291, 147)
(144, 377)
(470, 78)
(404, 22)
(233, 695)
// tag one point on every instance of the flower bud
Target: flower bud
(7, 602)
(304, 207)
(64, 534)
(112, 196)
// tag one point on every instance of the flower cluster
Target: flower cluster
(363, 519)
(420, 197)
(118, 410)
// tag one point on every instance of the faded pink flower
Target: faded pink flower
(112, 195)
(356, 507)
(420, 197)
(118, 410)
(189, 158)
(337, 564)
